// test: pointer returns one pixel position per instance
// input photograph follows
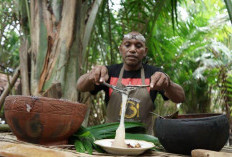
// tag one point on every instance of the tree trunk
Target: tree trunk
(24, 66)
(59, 33)
(229, 8)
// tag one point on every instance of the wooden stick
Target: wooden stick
(209, 153)
(9, 86)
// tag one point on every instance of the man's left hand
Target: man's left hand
(159, 81)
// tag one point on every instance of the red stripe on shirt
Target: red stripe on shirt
(128, 81)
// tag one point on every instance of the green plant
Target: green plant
(84, 138)
(228, 86)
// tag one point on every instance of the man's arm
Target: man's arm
(84, 84)
(87, 81)
(161, 81)
(175, 92)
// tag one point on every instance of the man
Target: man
(140, 103)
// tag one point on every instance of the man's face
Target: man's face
(133, 51)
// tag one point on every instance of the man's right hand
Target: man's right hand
(98, 74)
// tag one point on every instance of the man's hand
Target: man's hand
(98, 74)
(159, 81)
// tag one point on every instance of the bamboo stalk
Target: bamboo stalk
(110, 33)
(89, 27)
(229, 8)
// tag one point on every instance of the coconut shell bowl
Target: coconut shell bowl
(192, 131)
(43, 120)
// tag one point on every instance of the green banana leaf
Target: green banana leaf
(84, 138)
(102, 129)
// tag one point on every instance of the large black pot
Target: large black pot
(195, 131)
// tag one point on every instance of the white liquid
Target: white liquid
(119, 140)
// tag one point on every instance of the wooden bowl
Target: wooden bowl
(193, 131)
(43, 120)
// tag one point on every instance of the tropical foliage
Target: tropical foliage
(192, 43)
(9, 37)
(189, 40)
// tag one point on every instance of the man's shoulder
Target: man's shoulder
(152, 68)
(114, 66)
(114, 69)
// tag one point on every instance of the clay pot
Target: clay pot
(43, 120)
(195, 131)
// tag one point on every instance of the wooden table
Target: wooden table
(8, 142)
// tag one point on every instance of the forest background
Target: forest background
(48, 44)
